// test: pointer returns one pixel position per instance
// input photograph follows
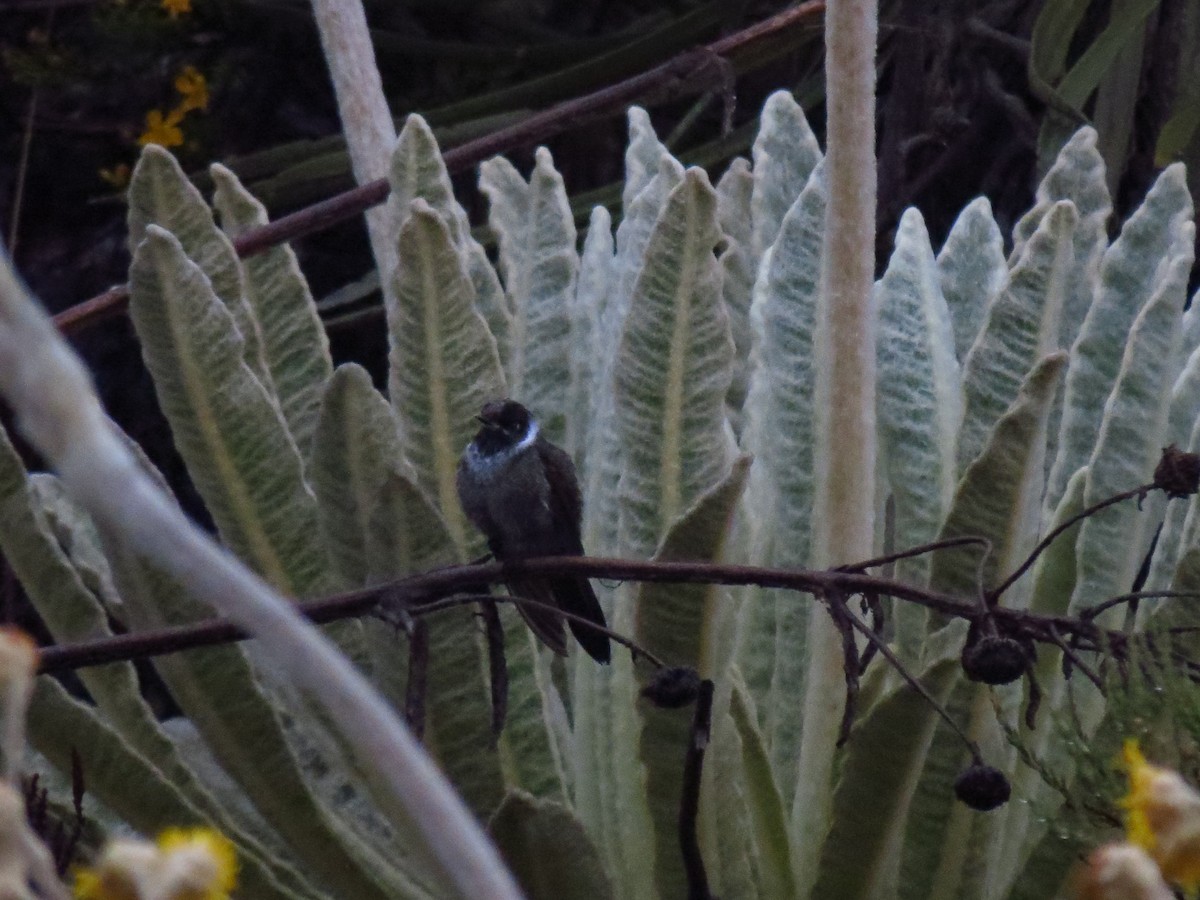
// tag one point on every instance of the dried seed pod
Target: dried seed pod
(994, 660)
(1177, 472)
(981, 787)
(673, 687)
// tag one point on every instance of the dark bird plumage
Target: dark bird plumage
(521, 491)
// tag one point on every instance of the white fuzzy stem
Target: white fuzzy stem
(366, 121)
(58, 410)
(844, 502)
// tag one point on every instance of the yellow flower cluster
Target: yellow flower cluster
(183, 864)
(163, 127)
(1162, 846)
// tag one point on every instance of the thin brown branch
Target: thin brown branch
(933, 546)
(691, 72)
(429, 591)
(1091, 612)
(635, 649)
(913, 682)
(994, 595)
(1075, 660)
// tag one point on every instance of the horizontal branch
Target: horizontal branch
(422, 589)
(691, 72)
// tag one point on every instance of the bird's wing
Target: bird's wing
(566, 501)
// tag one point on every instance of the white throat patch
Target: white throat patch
(486, 467)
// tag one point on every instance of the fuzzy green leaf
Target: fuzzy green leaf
(779, 496)
(418, 171)
(1113, 542)
(138, 791)
(228, 429)
(785, 154)
(999, 494)
(971, 270)
(444, 367)
(161, 194)
(1128, 276)
(919, 407)
(1019, 328)
(294, 344)
(548, 850)
(536, 230)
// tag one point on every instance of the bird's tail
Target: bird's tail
(575, 595)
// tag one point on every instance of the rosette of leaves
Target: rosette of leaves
(675, 358)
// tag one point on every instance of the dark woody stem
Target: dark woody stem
(691, 72)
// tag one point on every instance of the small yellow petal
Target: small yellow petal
(176, 8)
(204, 861)
(162, 130)
(191, 84)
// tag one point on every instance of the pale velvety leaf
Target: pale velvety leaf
(1024, 825)
(39, 527)
(242, 721)
(1178, 527)
(885, 753)
(785, 154)
(548, 850)
(777, 507)
(356, 449)
(728, 844)
(1191, 324)
(405, 532)
(604, 469)
(672, 374)
(738, 772)
(972, 270)
(1000, 491)
(739, 264)
(1128, 275)
(226, 426)
(294, 344)
(532, 752)
(1113, 542)
(536, 231)
(1185, 396)
(418, 171)
(161, 194)
(443, 362)
(642, 156)
(1078, 175)
(591, 296)
(604, 756)
(444, 367)
(686, 625)
(1019, 328)
(134, 788)
(919, 408)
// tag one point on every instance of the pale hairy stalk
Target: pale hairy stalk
(366, 121)
(57, 409)
(843, 505)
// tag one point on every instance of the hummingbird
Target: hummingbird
(521, 491)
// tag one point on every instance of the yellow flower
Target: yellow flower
(202, 861)
(194, 89)
(162, 130)
(184, 864)
(176, 8)
(1163, 818)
